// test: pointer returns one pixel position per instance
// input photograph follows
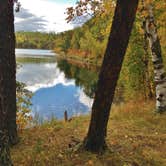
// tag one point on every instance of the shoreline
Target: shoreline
(85, 63)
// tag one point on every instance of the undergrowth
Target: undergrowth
(136, 137)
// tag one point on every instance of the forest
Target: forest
(36, 40)
(118, 58)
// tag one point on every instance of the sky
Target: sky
(43, 15)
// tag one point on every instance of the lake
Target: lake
(56, 85)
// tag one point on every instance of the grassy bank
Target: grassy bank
(136, 137)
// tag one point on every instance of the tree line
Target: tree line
(117, 43)
(35, 40)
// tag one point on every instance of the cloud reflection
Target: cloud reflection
(53, 92)
(42, 76)
(84, 99)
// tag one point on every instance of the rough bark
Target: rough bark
(117, 44)
(8, 71)
(154, 44)
(5, 159)
(147, 83)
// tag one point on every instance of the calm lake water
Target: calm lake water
(57, 85)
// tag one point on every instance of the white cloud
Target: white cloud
(51, 11)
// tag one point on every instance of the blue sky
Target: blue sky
(43, 15)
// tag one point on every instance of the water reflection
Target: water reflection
(42, 75)
(37, 53)
(54, 89)
(87, 79)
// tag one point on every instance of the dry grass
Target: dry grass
(136, 137)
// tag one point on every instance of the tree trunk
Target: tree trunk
(147, 82)
(117, 44)
(5, 62)
(5, 159)
(160, 74)
(8, 70)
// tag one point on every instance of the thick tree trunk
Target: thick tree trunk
(160, 74)
(5, 78)
(8, 70)
(117, 44)
(5, 159)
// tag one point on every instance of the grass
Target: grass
(136, 137)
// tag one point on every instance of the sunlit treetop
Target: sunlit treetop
(84, 7)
